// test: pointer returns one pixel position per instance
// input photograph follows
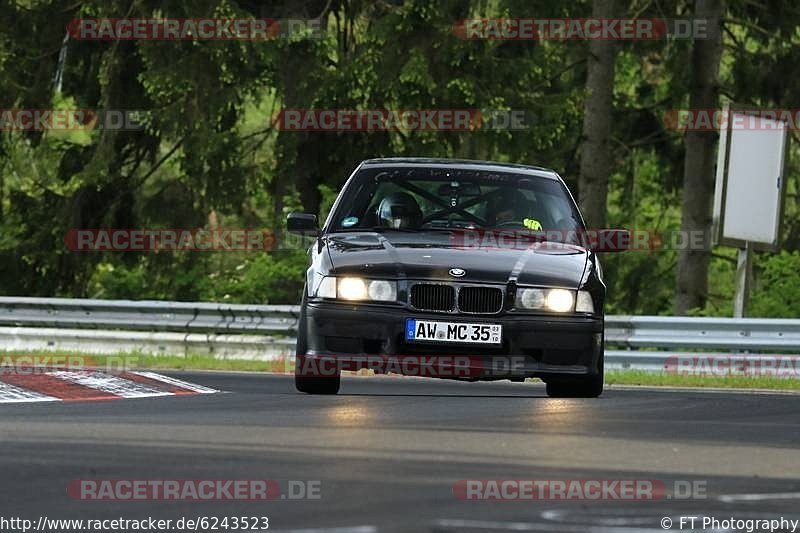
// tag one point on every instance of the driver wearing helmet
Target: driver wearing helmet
(511, 207)
(399, 211)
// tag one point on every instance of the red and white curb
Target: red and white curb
(66, 385)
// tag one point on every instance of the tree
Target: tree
(698, 172)
(595, 152)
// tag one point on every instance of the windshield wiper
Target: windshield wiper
(382, 229)
(376, 229)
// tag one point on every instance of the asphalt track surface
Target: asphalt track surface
(389, 450)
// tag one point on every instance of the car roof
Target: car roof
(467, 164)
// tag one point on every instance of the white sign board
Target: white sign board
(748, 199)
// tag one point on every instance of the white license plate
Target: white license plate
(434, 331)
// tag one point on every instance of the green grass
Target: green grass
(136, 360)
(663, 379)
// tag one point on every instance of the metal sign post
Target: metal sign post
(744, 274)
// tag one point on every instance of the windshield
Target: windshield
(440, 199)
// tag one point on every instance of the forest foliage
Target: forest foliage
(210, 156)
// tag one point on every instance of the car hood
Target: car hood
(431, 255)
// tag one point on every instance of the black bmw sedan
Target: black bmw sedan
(453, 269)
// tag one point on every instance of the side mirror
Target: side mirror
(609, 240)
(302, 224)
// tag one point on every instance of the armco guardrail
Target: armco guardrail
(753, 334)
(112, 326)
(267, 331)
(148, 315)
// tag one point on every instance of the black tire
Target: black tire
(305, 383)
(317, 385)
(588, 387)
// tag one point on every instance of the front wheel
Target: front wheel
(306, 379)
(317, 385)
(588, 387)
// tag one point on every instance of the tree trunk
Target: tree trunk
(699, 160)
(595, 149)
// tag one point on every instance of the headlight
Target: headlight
(530, 298)
(559, 300)
(382, 291)
(556, 300)
(352, 288)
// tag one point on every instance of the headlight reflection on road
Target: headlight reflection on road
(349, 414)
(557, 414)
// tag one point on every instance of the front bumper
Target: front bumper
(355, 336)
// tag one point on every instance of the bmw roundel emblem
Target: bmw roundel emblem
(457, 272)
